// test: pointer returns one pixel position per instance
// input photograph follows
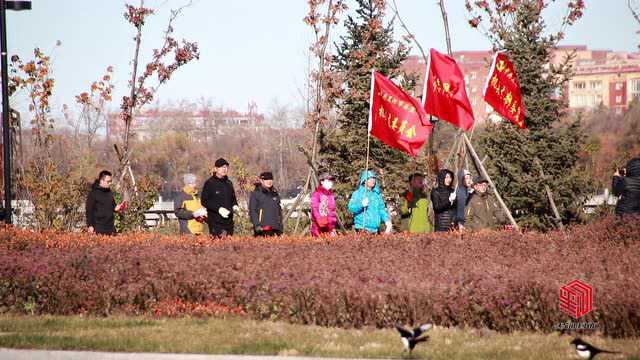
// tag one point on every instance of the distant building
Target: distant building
(199, 123)
(602, 77)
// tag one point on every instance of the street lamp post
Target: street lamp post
(6, 128)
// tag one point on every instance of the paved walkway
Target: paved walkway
(14, 354)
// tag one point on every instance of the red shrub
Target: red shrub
(500, 280)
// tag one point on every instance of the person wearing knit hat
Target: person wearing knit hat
(265, 212)
(323, 207)
(188, 209)
(219, 198)
(482, 210)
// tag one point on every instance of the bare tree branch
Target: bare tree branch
(404, 26)
(634, 6)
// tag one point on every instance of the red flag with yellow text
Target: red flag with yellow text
(396, 118)
(446, 95)
(502, 90)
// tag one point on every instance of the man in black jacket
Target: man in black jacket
(264, 208)
(219, 197)
(101, 205)
(626, 185)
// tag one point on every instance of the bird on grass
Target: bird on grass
(410, 338)
(588, 351)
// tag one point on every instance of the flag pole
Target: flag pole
(369, 126)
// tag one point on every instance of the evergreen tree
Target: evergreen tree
(513, 152)
(368, 44)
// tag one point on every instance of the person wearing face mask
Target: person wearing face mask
(367, 205)
(264, 208)
(323, 208)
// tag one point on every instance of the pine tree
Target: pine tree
(513, 152)
(368, 44)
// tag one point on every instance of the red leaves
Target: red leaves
(92, 102)
(136, 15)
(34, 77)
(83, 98)
(576, 10)
(499, 279)
(475, 21)
(500, 14)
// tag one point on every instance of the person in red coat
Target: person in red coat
(323, 208)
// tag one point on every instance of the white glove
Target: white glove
(365, 202)
(202, 212)
(224, 212)
(236, 208)
(452, 197)
(471, 190)
(387, 229)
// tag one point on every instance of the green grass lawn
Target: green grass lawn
(243, 336)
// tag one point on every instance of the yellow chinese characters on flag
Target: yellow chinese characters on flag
(396, 118)
(502, 90)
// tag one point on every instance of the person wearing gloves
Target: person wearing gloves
(443, 198)
(367, 205)
(264, 208)
(219, 198)
(323, 208)
(188, 208)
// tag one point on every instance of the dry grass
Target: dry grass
(242, 336)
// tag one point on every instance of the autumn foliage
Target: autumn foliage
(500, 280)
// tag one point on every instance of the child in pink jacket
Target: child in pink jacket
(323, 208)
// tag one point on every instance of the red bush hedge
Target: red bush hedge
(500, 280)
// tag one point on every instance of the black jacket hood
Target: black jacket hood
(441, 175)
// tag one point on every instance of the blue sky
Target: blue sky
(251, 50)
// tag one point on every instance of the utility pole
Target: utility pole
(6, 109)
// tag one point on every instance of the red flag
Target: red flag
(396, 118)
(502, 90)
(446, 96)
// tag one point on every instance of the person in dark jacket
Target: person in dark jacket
(443, 198)
(463, 193)
(219, 198)
(188, 208)
(264, 208)
(101, 205)
(483, 211)
(626, 185)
